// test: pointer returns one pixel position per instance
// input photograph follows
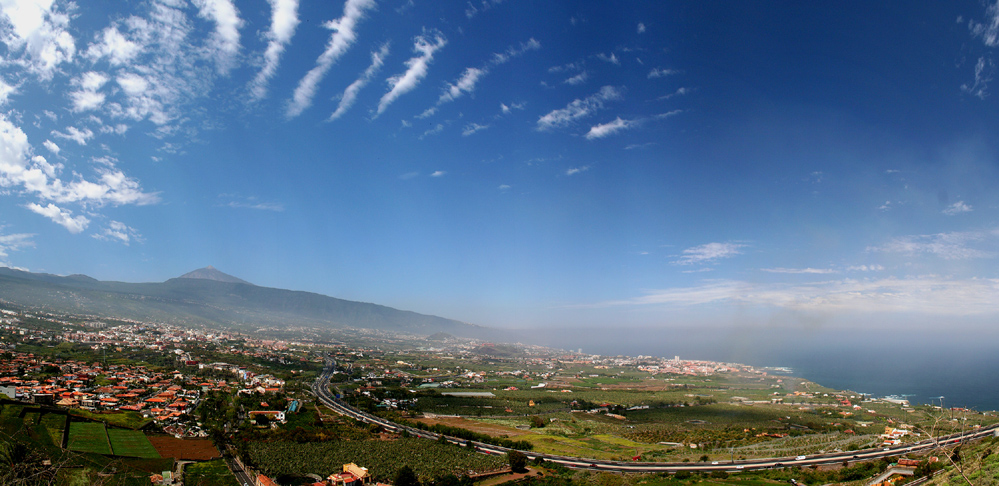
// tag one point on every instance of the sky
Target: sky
(520, 164)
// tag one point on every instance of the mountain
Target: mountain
(212, 273)
(210, 297)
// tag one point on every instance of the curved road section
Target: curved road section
(322, 390)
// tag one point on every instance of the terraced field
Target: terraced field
(89, 437)
(131, 443)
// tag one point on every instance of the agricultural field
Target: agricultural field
(89, 437)
(131, 443)
(382, 458)
(184, 449)
(209, 473)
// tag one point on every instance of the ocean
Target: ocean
(963, 370)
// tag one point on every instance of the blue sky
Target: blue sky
(515, 163)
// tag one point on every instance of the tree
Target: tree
(518, 461)
(537, 422)
(406, 477)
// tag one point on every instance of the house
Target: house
(352, 475)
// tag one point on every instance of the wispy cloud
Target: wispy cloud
(930, 295)
(708, 253)
(605, 129)
(252, 202)
(578, 79)
(661, 73)
(818, 271)
(983, 76)
(472, 128)
(438, 173)
(118, 231)
(957, 208)
(641, 28)
(433, 131)
(577, 170)
(75, 134)
(425, 46)
(988, 30)
(949, 246)
(223, 46)
(865, 268)
(579, 108)
(475, 7)
(284, 21)
(343, 37)
(679, 92)
(349, 95)
(13, 242)
(611, 58)
(466, 83)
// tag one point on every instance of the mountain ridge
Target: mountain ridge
(192, 301)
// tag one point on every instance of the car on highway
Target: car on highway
(799, 458)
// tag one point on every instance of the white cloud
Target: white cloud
(983, 76)
(349, 95)
(63, 217)
(118, 231)
(284, 21)
(930, 295)
(605, 129)
(572, 66)
(989, 30)
(417, 68)
(504, 187)
(5, 91)
(39, 29)
(117, 48)
(433, 131)
(949, 246)
(465, 84)
(641, 28)
(577, 79)
(679, 92)
(19, 168)
(957, 208)
(51, 146)
(13, 242)
(438, 173)
(799, 270)
(661, 73)
(234, 201)
(224, 43)
(483, 5)
(612, 58)
(577, 170)
(865, 268)
(471, 76)
(579, 108)
(84, 100)
(472, 128)
(75, 134)
(343, 37)
(708, 253)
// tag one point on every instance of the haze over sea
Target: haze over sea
(878, 364)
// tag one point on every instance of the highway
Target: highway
(321, 389)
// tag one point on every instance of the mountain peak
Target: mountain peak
(212, 273)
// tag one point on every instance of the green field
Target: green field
(209, 473)
(88, 437)
(131, 443)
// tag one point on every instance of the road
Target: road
(321, 389)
